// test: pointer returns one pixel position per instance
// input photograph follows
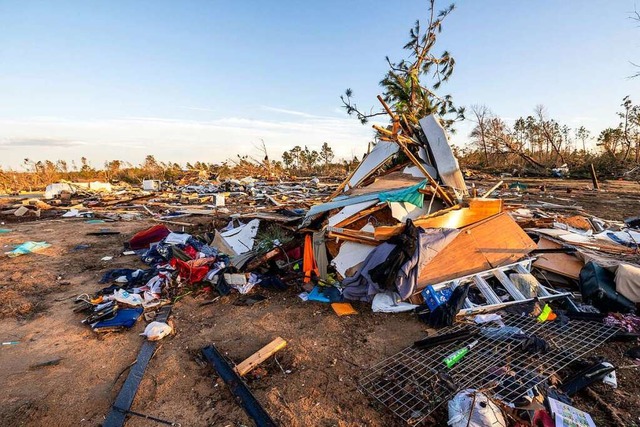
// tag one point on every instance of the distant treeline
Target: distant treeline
(537, 143)
(37, 174)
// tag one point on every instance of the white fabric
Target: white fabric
(470, 408)
(156, 331)
(126, 298)
(390, 302)
(177, 238)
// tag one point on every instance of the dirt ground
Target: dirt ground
(313, 382)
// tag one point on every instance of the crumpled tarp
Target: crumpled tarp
(408, 195)
(27, 248)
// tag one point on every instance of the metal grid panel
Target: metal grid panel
(414, 382)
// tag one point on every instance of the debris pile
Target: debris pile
(519, 291)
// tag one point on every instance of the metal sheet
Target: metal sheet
(349, 211)
(443, 157)
(380, 154)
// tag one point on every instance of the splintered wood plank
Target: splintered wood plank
(260, 356)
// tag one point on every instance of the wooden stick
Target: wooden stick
(396, 120)
(260, 356)
(184, 224)
(491, 190)
(439, 190)
(594, 177)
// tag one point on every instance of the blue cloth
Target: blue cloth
(327, 294)
(124, 318)
(409, 195)
(133, 278)
(27, 248)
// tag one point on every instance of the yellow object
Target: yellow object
(547, 314)
(343, 308)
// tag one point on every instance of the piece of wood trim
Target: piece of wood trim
(491, 190)
(260, 356)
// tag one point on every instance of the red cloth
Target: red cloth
(542, 419)
(191, 251)
(143, 239)
(190, 274)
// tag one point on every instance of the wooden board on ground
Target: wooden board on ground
(260, 356)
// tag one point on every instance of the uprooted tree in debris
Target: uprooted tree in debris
(410, 84)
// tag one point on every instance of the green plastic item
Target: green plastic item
(457, 355)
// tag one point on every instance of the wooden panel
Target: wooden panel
(260, 356)
(487, 244)
(563, 264)
(454, 217)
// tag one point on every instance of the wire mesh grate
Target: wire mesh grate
(413, 383)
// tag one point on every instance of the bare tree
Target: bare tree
(583, 135)
(550, 131)
(482, 116)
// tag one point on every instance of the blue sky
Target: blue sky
(204, 80)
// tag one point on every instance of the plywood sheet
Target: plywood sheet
(563, 264)
(455, 217)
(488, 244)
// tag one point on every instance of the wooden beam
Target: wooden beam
(260, 356)
(594, 177)
(491, 190)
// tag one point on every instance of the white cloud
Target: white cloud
(177, 140)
